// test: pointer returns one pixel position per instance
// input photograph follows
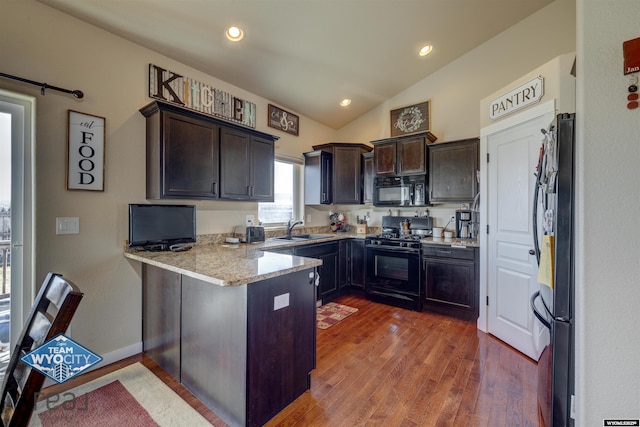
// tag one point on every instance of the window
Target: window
(285, 205)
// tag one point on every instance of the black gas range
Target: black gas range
(393, 261)
(391, 240)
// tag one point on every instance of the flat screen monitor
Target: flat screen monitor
(158, 227)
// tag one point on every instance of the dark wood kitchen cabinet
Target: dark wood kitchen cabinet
(405, 155)
(344, 264)
(328, 271)
(246, 166)
(452, 171)
(182, 156)
(228, 345)
(368, 174)
(346, 170)
(193, 156)
(318, 178)
(450, 281)
(357, 263)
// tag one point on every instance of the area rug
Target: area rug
(131, 396)
(331, 313)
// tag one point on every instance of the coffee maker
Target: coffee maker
(463, 224)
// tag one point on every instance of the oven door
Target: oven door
(393, 275)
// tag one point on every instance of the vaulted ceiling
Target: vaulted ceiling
(307, 55)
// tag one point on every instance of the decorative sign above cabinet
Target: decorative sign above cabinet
(411, 119)
(283, 120)
(518, 98)
(193, 95)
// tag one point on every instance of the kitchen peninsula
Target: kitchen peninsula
(234, 324)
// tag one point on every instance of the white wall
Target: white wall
(608, 236)
(455, 90)
(42, 44)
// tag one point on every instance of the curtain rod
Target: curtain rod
(43, 86)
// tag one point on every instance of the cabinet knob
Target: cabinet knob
(532, 252)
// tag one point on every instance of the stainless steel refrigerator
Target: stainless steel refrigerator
(553, 215)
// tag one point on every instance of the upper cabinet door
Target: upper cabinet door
(182, 157)
(318, 178)
(452, 171)
(385, 158)
(246, 168)
(347, 184)
(262, 169)
(405, 155)
(234, 164)
(411, 156)
(368, 173)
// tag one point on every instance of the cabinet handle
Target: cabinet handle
(215, 188)
(324, 196)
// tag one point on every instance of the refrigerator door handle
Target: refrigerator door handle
(536, 313)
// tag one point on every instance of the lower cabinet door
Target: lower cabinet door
(279, 364)
(358, 263)
(328, 275)
(449, 287)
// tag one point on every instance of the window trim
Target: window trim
(298, 207)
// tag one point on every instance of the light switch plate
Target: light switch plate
(68, 225)
(250, 220)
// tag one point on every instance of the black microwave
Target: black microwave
(400, 191)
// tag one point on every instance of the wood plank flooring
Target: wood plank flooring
(394, 367)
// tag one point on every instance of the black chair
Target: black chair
(50, 315)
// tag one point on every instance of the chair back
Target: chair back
(50, 315)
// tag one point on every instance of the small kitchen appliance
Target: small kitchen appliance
(400, 191)
(463, 223)
(254, 234)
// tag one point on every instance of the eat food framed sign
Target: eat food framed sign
(85, 152)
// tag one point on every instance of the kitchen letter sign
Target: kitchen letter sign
(85, 152)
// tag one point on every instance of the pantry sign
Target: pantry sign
(188, 93)
(516, 99)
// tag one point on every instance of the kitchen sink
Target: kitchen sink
(299, 237)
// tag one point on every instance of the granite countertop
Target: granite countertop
(225, 265)
(454, 243)
(239, 264)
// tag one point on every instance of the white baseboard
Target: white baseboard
(119, 354)
(108, 358)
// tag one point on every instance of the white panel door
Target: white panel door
(512, 267)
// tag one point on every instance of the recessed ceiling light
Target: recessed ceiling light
(234, 33)
(425, 50)
(345, 102)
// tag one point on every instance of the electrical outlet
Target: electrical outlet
(249, 220)
(308, 218)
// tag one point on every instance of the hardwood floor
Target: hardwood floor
(394, 367)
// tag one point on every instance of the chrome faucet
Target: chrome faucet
(292, 223)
